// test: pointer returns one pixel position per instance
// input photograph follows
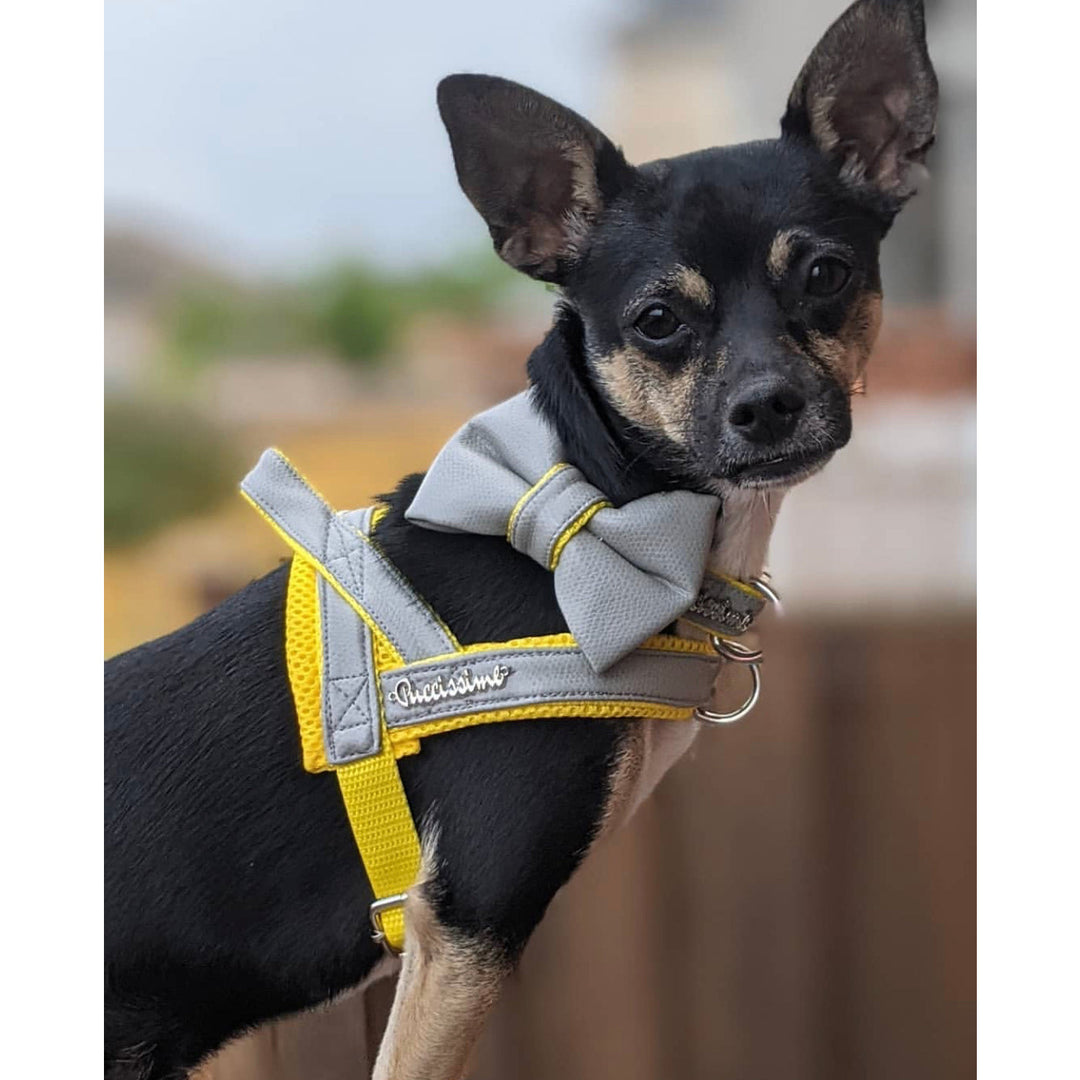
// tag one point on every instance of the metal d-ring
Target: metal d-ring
(735, 652)
(710, 717)
(768, 592)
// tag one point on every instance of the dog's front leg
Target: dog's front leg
(447, 986)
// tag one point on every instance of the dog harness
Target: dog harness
(374, 670)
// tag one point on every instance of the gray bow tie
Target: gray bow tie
(620, 575)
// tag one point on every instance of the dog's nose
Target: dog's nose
(767, 411)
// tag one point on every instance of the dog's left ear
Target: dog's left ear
(867, 98)
(538, 173)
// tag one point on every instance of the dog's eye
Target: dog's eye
(657, 322)
(827, 276)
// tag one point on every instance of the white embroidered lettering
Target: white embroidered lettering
(408, 694)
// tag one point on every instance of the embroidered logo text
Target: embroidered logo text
(460, 684)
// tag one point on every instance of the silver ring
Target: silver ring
(771, 594)
(709, 717)
(736, 651)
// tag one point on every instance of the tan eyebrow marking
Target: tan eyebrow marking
(692, 284)
(780, 252)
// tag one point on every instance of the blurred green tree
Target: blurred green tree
(357, 313)
(160, 465)
(354, 311)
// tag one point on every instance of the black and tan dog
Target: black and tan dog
(716, 310)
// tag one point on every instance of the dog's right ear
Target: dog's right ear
(538, 173)
(867, 98)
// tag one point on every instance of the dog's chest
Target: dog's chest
(651, 747)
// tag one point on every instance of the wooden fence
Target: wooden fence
(796, 902)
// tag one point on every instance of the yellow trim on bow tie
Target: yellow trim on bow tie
(573, 529)
(520, 504)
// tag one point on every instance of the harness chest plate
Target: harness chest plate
(374, 670)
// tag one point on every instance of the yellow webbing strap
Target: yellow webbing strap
(383, 827)
(379, 813)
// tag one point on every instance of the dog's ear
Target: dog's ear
(867, 98)
(538, 173)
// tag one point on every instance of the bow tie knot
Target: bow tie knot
(551, 513)
(621, 574)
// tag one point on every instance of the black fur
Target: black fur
(232, 883)
(234, 892)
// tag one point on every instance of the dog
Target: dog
(717, 310)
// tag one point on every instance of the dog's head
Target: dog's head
(719, 307)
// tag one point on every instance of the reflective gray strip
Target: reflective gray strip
(360, 520)
(504, 678)
(723, 608)
(356, 565)
(464, 684)
(350, 692)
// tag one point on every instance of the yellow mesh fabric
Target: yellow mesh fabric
(386, 656)
(303, 658)
(671, 643)
(662, 642)
(406, 740)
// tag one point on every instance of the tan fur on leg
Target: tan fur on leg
(447, 986)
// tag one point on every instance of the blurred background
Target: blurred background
(289, 262)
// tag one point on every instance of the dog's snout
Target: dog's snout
(767, 412)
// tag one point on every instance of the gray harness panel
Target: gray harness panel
(506, 678)
(350, 703)
(619, 580)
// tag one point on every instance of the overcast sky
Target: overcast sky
(282, 131)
